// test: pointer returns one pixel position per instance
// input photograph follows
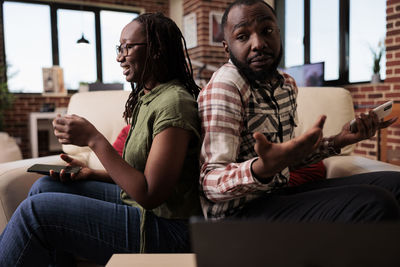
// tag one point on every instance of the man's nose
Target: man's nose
(258, 42)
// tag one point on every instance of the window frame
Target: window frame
(344, 38)
(54, 6)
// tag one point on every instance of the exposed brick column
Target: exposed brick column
(204, 52)
(393, 43)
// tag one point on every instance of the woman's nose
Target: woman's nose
(120, 57)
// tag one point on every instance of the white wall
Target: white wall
(176, 12)
(270, 2)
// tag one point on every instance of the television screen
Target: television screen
(307, 74)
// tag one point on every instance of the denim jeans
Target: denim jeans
(61, 221)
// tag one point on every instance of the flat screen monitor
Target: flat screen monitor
(307, 74)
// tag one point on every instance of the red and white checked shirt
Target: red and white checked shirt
(231, 111)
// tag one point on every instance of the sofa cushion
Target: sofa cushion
(9, 149)
(334, 102)
(312, 172)
(119, 143)
(104, 109)
(342, 166)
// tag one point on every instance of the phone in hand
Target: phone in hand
(381, 111)
(45, 169)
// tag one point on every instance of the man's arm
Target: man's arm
(367, 125)
(221, 113)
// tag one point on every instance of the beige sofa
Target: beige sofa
(104, 109)
(336, 103)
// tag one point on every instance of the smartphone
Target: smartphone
(381, 111)
(45, 169)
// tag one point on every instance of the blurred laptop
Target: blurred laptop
(97, 86)
(256, 243)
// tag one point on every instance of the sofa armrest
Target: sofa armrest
(341, 166)
(15, 183)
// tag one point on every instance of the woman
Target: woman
(141, 202)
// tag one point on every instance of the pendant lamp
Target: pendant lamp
(82, 40)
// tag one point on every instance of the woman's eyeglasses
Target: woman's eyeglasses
(124, 49)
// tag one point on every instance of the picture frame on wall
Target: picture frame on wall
(190, 30)
(53, 81)
(216, 33)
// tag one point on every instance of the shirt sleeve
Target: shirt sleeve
(325, 149)
(221, 114)
(179, 109)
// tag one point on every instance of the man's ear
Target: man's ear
(226, 47)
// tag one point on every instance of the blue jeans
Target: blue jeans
(61, 221)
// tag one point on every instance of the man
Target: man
(248, 113)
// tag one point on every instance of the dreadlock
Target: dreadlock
(167, 57)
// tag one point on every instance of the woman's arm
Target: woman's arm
(163, 166)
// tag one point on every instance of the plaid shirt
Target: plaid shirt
(231, 110)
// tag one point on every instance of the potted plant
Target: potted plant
(6, 98)
(9, 148)
(376, 67)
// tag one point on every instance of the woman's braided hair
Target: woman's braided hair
(167, 57)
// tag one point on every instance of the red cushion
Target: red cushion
(120, 141)
(312, 172)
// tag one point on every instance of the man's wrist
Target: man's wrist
(333, 143)
(257, 177)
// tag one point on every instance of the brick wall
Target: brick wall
(205, 52)
(365, 95)
(17, 119)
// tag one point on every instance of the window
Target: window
(77, 60)
(365, 34)
(324, 36)
(338, 32)
(27, 45)
(111, 25)
(294, 33)
(50, 38)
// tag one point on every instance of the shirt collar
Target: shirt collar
(156, 91)
(272, 86)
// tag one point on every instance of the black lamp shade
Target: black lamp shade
(82, 40)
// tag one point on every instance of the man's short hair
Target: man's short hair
(238, 3)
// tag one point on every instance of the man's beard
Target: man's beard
(261, 75)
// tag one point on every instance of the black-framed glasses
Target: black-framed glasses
(124, 49)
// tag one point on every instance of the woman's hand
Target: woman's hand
(74, 130)
(83, 174)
